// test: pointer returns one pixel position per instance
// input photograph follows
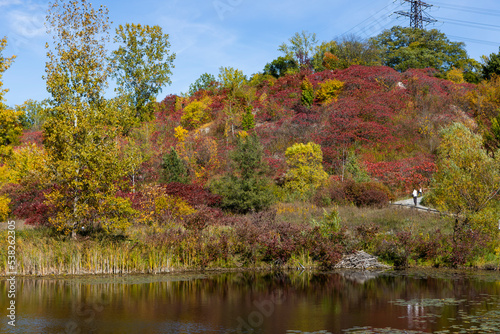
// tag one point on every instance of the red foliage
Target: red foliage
(195, 195)
(28, 202)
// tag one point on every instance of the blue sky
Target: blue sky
(244, 34)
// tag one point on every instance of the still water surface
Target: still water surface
(248, 302)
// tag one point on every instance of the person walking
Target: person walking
(415, 194)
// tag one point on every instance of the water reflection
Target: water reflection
(249, 302)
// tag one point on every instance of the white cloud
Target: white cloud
(4, 3)
(28, 24)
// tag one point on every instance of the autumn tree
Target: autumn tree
(467, 181)
(10, 120)
(81, 130)
(345, 52)
(233, 81)
(305, 168)
(404, 48)
(300, 48)
(142, 65)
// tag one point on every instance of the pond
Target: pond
(255, 302)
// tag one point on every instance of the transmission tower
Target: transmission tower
(417, 15)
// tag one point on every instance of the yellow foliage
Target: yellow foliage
(329, 91)
(4, 207)
(305, 172)
(196, 113)
(242, 134)
(159, 207)
(180, 133)
(174, 207)
(27, 163)
(456, 75)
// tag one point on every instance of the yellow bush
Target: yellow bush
(305, 173)
(4, 208)
(173, 207)
(329, 91)
(196, 113)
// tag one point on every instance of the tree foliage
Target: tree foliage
(174, 168)
(10, 130)
(4, 65)
(245, 188)
(143, 64)
(404, 48)
(80, 134)
(491, 65)
(307, 96)
(206, 81)
(77, 68)
(300, 48)
(344, 53)
(281, 66)
(305, 169)
(467, 181)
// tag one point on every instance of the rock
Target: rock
(360, 260)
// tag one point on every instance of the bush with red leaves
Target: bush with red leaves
(194, 194)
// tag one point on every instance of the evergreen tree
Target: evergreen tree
(173, 168)
(245, 188)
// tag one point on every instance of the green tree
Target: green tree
(81, 130)
(281, 66)
(305, 169)
(405, 48)
(11, 130)
(491, 65)
(467, 181)
(300, 48)
(343, 53)
(174, 168)
(34, 112)
(143, 65)
(245, 188)
(205, 82)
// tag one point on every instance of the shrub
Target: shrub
(305, 173)
(307, 96)
(196, 113)
(4, 207)
(195, 195)
(329, 90)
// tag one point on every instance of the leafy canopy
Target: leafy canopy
(468, 179)
(4, 66)
(305, 168)
(206, 81)
(81, 130)
(143, 64)
(491, 65)
(405, 48)
(300, 48)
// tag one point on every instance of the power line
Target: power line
(468, 9)
(367, 19)
(470, 24)
(417, 15)
(473, 40)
